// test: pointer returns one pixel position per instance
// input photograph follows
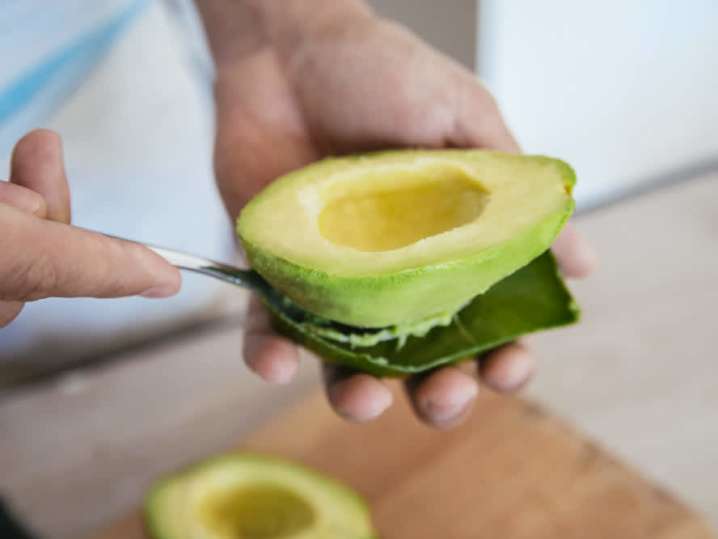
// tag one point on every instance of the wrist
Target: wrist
(237, 28)
(289, 21)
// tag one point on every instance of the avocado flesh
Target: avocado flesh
(254, 497)
(399, 238)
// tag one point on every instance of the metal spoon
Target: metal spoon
(246, 278)
(278, 302)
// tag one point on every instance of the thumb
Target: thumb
(51, 259)
(479, 122)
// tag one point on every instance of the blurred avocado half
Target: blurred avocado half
(251, 496)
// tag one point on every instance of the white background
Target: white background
(623, 90)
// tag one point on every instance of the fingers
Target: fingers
(23, 199)
(479, 122)
(356, 397)
(507, 368)
(9, 311)
(273, 358)
(442, 398)
(28, 201)
(48, 257)
(54, 259)
(37, 164)
(575, 256)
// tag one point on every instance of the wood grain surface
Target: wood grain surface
(512, 472)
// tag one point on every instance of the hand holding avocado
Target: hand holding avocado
(301, 90)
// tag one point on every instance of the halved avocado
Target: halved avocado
(404, 237)
(250, 496)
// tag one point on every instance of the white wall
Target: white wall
(623, 90)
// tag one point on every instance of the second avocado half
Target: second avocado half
(443, 253)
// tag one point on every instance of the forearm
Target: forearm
(237, 28)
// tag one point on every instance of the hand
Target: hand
(354, 84)
(42, 256)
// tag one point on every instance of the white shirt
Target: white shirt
(130, 94)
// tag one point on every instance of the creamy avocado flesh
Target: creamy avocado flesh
(253, 497)
(375, 215)
(399, 238)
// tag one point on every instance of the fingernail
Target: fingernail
(273, 359)
(378, 405)
(516, 375)
(358, 405)
(282, 372)
(508, 373)
(449, 406)
(161, 291)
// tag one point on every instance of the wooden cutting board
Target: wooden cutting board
(512, 472)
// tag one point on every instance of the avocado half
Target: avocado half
(250, 496)
(404, 238)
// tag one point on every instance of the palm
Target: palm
(363, 89)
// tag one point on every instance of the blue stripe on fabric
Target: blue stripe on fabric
(84, 52)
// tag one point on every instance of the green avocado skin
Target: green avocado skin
(410, 295)
(531, 299)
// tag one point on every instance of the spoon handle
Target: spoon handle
(230, 274)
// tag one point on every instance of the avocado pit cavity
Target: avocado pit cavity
(380, 213)
(256, 511)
